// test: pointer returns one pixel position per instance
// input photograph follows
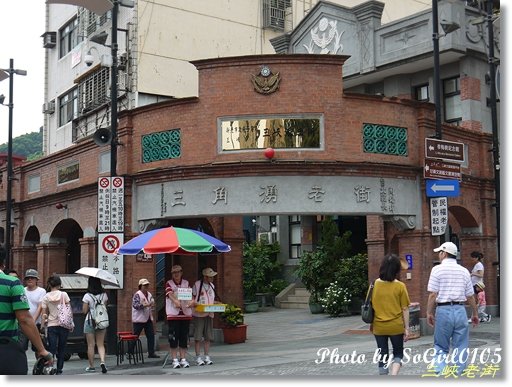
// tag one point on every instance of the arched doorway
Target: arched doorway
(69, 233)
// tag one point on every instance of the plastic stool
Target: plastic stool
(133, 350)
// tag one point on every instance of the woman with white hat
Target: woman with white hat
(143, 304)
(179, 315)
(203, 293)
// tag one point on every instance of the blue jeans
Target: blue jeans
(451, 330)
(57, 338)
(397, 341)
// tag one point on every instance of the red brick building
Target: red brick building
(176, 157)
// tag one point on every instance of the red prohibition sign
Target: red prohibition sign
(110, 243)
(104, 183)
(118, 182)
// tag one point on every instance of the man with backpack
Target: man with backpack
(94, 307)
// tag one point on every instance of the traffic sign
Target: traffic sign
(437, 169)
(441, 149)
(436, 188)
(108, 260)
(438, 215)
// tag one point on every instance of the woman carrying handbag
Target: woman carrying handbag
(390, 301)
(50, 306)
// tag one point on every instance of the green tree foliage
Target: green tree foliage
(29, 145)
(260, 267)
(317, 269)
(352, 274)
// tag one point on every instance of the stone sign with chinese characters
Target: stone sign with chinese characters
(280, 194)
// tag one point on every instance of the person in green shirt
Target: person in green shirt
(14, 315)
(390, 301)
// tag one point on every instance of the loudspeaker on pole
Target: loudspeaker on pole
(102, 137)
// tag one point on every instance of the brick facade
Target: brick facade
(310, 84)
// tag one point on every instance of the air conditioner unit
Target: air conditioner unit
(267, 237)
(49, 39)
(49, 107)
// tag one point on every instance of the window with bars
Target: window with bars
(68, 106)
(90, 22)
(452, 105)
(274, 13)
(94, 90)
(69, 37)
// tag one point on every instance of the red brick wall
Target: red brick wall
(310, 84)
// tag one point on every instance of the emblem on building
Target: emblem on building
(325, 37)
(265, 82)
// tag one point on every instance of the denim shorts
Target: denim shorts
(89, 326)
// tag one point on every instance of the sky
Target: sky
(22, 23)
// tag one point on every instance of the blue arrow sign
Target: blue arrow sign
(449, 188)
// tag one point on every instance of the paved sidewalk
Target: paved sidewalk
(288, 342)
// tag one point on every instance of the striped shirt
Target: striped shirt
(451, 282)
(12, 298)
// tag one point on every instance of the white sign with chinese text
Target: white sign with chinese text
(184, 294)
(108, 260)
(438, 215)
(111, 204)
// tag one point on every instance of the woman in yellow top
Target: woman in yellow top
(390, 302)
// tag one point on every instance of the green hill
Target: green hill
(29, 145)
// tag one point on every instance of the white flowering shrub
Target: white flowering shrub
(336, 299)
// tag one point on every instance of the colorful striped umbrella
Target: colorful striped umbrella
(174, 240)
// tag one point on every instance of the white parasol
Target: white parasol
(104, 276)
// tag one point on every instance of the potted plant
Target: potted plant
(352, 273)
(233, 329)
(260, 266)
(317, 269)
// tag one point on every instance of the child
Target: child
(480, 295)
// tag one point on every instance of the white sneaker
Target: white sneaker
(175, 363)
(184, 363)
(469, 320)
(207, 360)
(199, 361)
(488, 318)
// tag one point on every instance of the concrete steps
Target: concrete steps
(296, 298)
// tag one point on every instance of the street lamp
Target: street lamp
(447, 27)
(4, 74)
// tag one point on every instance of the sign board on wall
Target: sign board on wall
(111, 204)
(446, 150)
(438, 215)
(438, 169)
(111, 225)
(108, 260)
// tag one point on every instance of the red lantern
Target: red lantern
(269, 153)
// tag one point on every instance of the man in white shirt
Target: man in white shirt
(450, 288)
(35, 295)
